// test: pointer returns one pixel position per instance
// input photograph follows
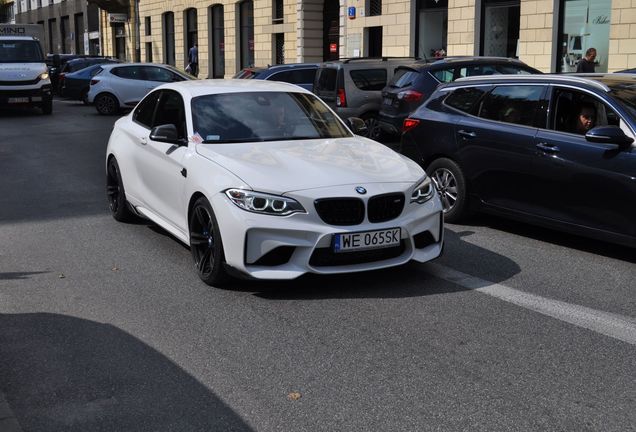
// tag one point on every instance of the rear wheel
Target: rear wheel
(451, 187)
(47, 106)
(373, 127)
(206, 244)
(106, 104)
(116, 194)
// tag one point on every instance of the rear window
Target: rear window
(369, 79)
(326, 79)
(403, 78)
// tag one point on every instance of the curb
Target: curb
(8, 422)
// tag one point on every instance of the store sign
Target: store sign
(117, 18)
(333, 48)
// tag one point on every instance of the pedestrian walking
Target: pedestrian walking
(586, 64)
(193, 60)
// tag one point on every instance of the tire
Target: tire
(451, 187)
(116, 193)
(206, 244)
(106, 104)
(47, 106)
(373, 127)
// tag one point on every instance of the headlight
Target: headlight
(44, 76)
(258, 202)
(423, 192)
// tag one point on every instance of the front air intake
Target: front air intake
(340, 211)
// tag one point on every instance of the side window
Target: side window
(466, 99)
(128, 72)
(577, 112)
(154, 73)
(145, 110)
(296, 76)
(517, 104)
(369, 79)
(444, 75)
(171, 111)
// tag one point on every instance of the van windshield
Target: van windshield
(20, 51)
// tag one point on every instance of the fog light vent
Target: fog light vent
(277, 256)
(423, 239)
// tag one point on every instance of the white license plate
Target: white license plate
(19, 100)
(366, 240)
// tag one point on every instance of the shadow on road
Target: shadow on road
(61, 373)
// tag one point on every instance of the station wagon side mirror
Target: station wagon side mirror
(609, 135)
(357, 126)
(166, 133)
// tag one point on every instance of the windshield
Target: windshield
(263, 116)
(625, 93)
(20, 51)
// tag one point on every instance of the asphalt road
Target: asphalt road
(105, 326)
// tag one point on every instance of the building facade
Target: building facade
(70, 26)
(551, 35)
(7, 12)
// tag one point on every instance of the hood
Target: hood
(21, 71)
(286, 166)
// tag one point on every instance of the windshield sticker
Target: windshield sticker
(212, 137)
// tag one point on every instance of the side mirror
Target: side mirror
(609, 135)
(357, 126)
(166, 133)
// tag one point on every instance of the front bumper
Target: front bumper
(272, 247)
(12, 96)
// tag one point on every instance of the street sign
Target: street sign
(117, 18)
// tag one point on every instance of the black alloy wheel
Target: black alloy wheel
(206, 245)
(115, 193)
(373, 127)
(451, 187)
(106, 104)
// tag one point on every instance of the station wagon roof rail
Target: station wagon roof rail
(550, 78)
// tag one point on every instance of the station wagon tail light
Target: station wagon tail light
(342, 98)
(94, 81)
(410, 96)
(409, 124)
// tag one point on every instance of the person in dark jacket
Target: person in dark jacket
(193, 59)
(586, 64)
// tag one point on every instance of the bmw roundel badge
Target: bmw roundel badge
(361, 190)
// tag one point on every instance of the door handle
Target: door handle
(547, 148)
(466, 134)
(143, 141)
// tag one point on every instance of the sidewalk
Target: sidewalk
(8, 422)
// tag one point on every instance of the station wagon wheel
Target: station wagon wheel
(106, 104)
(206, 245)
(115, 193)
(451, 187)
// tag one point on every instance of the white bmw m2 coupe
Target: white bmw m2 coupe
(262, 179)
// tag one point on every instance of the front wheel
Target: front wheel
(451, 187)
(206, 245)
(116, 194)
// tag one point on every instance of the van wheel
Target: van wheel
(47, 106)
(451, 187)
(373, 126)
(106, 104)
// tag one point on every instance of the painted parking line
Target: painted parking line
(615, 326)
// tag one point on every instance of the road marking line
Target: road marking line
(615, 326)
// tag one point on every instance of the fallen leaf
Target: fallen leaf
(115, 269)
(293, 396)
(61, 276)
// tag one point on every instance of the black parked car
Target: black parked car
(301, 74)
(554, 150)
(55, 63)
(412, 84)
(71, 90)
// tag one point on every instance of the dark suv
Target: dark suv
(412, 84)
(554, 150)
(301, 74)
(353, 87)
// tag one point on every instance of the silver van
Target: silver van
(353, 87)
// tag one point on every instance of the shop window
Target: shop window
(147, 26)
(168, 38)
(374, 41)
(374, 7)
(191, 28)
(52, 37)
(279, 48)
(79, 33)
(500, 28)
(585, 24)
(246, 35)
(431, 28)
(277, 12)
(65, 33)
(217, 41)
(148, 52)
